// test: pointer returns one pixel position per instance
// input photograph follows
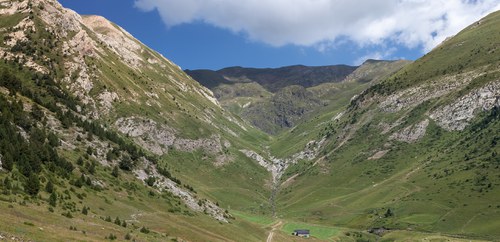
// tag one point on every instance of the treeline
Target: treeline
(28, 153)
(37, 148)
(48, 93)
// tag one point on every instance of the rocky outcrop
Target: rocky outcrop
(411, 133)
(191, 201)
(61, 21)
(456, 116)
(274, 166)
(11, 7)
(106, 100)
(117, 39)
(414, 96)
(379, 154)
(148, 134)
(158, 138)
(277, 166)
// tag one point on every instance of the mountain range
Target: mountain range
(275, 100)
(102, 138)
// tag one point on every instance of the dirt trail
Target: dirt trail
(274, 228)
(468, 222)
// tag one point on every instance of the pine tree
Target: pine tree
(388, 213)
(79, 161)
(115, 171)
(88, 181)
(126, 163)
(89, 150)
(117, 221)
(37, 113)
(32, 184)
(7, 161)
(6, 183)
(49, 187)
(53, 199)
(91, 168)
(53, 140)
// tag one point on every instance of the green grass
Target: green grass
(317, 231)
(421, 219)
(262, 220)
(11, 20)
(246, 192)
(427, 185)
(444, 183)
(444, 186)
(295, 139)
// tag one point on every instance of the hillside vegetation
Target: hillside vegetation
(102, 138)
(417, 151)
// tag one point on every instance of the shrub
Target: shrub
(110, 237)
(67, 214)
(115, 172)
(85, 210)
(144, 230)
(150, 181)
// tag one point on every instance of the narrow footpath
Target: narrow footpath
(275, 227)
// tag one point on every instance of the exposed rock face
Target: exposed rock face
(62, 21)
(117, 39)
(414, 96)
(278, 166)
(11, 7)
(456, 116)
(411, 133)
(379, 154)
(148, 134)
(106, 99)
(18, 35)
(158, 138)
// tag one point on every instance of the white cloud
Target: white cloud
(376, 55)
(322, 23)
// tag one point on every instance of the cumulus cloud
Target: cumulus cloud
(322, 23)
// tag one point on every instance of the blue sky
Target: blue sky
(212, 34)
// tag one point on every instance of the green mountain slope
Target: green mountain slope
(415, 152)
(101, 138)
(116, 130)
